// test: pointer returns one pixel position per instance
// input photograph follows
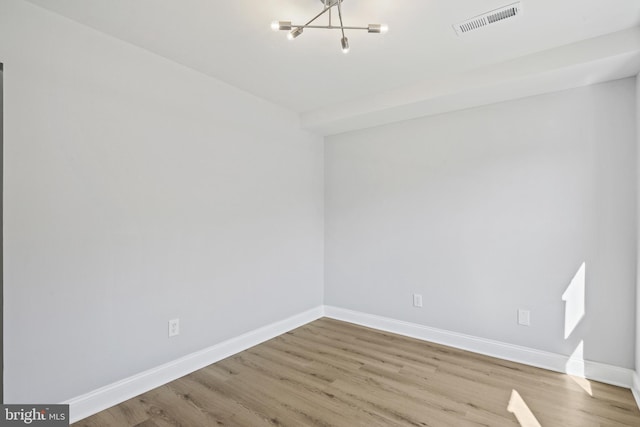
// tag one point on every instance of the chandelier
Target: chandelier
(296, 30)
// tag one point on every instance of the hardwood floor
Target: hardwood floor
(331, 373)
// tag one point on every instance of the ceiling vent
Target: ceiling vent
(489, 18)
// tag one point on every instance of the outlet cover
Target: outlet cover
(174, 327)
(524, 317)
(417, 300)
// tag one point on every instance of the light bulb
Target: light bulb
(345, 45)
(377, 28)
(294, 33)
(280, 25)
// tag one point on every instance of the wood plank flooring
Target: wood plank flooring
(331, 373)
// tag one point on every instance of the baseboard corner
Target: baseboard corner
(635, 387)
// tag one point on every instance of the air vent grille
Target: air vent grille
(489, 18)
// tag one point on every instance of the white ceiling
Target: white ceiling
(421, 54)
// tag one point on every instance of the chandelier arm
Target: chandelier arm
(340, 15)
(312, 19)
(329, 27)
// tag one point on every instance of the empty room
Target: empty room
(320, 212)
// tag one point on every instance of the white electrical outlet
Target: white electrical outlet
(174, 327)
(417, 300)
(524, 317)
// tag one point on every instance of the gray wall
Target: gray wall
(492, 209)
(128, 205)
(138, 191)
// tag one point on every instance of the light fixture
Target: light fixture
(345, 44)
(377, 28)
(280, 25)
(295, 33)
(295, 30)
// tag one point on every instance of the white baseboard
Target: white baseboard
(609, 374)
(112, 394)
(635, 388)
